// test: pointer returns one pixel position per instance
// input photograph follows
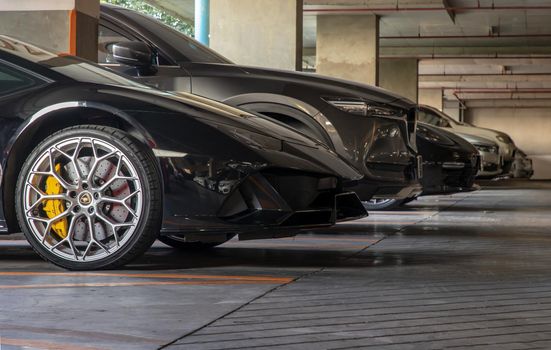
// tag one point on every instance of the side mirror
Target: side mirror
(132, 53)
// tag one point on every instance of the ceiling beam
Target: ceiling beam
(458, 52)
(465, 51)
(449, 10)
(508, 78)
(519, 103)
(485, 61)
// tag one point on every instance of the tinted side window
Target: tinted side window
(13, 80)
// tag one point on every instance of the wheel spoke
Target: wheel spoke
(121, 202)
(87, 250)
(97, 161)
(111, 226)
(93, 234)
(53, 173)
(67, 238)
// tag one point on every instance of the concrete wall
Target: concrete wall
(347, 47)
(65, 26)
(431, 97)
(31, 26)
(530, 128)
(263, 33)
(400, 75)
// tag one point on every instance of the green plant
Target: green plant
(148, 9)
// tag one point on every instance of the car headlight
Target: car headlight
(487, 149)
(360, 107)
(431, 136)
(504, 138)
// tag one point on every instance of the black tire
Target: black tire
(145, 225)
(174, 242)
(388, 204)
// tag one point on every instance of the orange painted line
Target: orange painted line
(153, 275)
(306, 245)
(73, 32)
(383, 223)
(94, 336)
(338, 239)
(127, 284)
(43, 345)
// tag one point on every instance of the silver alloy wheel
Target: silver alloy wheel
(82, 199)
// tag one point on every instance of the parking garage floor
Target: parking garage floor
(464, 271)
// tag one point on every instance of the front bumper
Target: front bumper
(490, 164)
(410, 185)
(450, 177)
(267, 203)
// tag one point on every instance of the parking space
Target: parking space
(468, 270)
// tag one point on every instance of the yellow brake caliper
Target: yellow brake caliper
(54, 207)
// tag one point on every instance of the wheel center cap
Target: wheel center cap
(85, 199)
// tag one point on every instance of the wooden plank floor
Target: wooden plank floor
(468, 271)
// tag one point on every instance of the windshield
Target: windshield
(445, 116)
(69, 66)
(189, 49)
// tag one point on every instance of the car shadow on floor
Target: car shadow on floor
(265, 257)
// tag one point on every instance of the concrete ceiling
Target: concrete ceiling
(429, 23)
(481, 52)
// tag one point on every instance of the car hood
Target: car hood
(474, 131)
(479, 140)
(459, 142)
(338, 87)
(224, 114)
(247, 128)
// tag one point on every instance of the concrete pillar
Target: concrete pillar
(453, 109)
(202, 20)
(263, 33)
(64, 26)
(432, 97)
(347, 47)
(400, 75)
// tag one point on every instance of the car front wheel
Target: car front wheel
(89, 197)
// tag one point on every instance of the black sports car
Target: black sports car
(369, 128)
(450, 165)
(95, 165)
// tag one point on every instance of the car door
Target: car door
(168, 75)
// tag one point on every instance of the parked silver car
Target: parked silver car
(522, 166)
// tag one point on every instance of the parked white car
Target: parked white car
(506, 145)
(490, 159)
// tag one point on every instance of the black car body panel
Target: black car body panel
(381, 147)
(450, 164)
(222, 169)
